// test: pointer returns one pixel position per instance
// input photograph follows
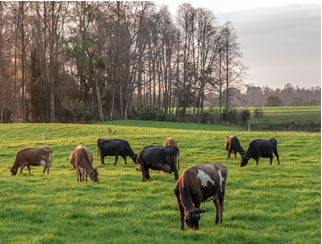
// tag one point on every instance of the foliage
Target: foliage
(273, 101)
(244, 115)
(121, 209)
(258, 113)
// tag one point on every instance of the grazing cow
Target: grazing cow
(261, 148)
(158, 158)
(170, 142)
(31, 156)
(200, 183)
(81, 160)
(115, 147)
(232, 144)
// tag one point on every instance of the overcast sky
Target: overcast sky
(280, 39)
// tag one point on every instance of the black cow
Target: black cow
(115, 147)
(200, 183)
(232, 144)
(158, 158)
(261, 148)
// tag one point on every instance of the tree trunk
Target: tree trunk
(52, 65)
(21, 13)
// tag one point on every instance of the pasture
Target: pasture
(263, 204)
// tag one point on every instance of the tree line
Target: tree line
(249, 95)
(84, 61)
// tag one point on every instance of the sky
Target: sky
(280, 39)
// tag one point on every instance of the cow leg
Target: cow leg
(79, 176)
(271, 159)
(102, 157)
(143, 173)
(181, 210)
(147, 174)
(276, 154)
(48, 166)
(217, 206)
(124, 159)
(116, 158)
(21, 168)
(257, 159)
(28, 167)
(228, 156)
(44, 169)
(176, 176)
(235, 154)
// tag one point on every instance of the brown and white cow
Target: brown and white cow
(200, 183)
(81, 160)
(31, 156)
(170, 142)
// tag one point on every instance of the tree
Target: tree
(258, 113)
(273, 101)
(233, 67)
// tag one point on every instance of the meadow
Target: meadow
(283, 114)
(263, 204)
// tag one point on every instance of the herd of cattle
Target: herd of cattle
(196, 184)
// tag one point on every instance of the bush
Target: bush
(244, 115)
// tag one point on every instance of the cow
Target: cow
(115, 147)
(200, 183)
(260, 148)
(232, 144)
(32, 156)
(81, 159)
(158, 158)
(170, 142)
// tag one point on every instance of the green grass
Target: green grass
(263, 204)
(286, 114)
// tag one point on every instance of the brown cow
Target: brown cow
(170, 142)
(232, 144)
(31, 156)
(81, 160)
(197, 184)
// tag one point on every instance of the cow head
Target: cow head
(93, 175)
(13, 170)
(244, 161)
(192, 218)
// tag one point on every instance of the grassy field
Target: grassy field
(285, 114)
(288, 114)
(263, 204)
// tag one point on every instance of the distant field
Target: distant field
(289, 114)
(263, 204)
(285, 114)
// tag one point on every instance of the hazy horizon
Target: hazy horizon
(280, 40)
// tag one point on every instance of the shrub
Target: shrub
(244, 115)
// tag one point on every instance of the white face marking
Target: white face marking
(43, 163)
(221, 179)
(204, 178)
